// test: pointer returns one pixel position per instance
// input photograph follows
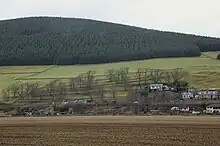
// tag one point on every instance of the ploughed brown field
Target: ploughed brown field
(108, 130)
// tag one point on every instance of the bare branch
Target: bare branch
(15, 88)
(156, 75)
(90, 76)
(168, 77)
(5, 94)
(139, 76)
(110, 75)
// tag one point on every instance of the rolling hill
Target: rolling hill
(68, 41)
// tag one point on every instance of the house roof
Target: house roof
(214, 105)
(205, 92)
(187, 93)
(156, 84)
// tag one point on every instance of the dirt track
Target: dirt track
(110, 131)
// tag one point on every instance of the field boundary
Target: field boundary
(18, 73)
(208, 56)
(36, 73)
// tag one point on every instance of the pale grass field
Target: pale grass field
(171, 63)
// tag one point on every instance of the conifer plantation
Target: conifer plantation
(68, 41)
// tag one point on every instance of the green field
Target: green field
(22, 69)
(8, 75)
(212, 54)
(204, 71)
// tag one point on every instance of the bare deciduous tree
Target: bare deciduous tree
(125, 79)
(29, 89)
(35, 90)
(178, 75)
(127, 84)
(81, 78)
(124, 73)
(22, 92)
(15, 88)
(114, 94)
(51, 87)
(110, 75)
(73, 86)
(139, 76)
(8, 90)
(90, 92)
(168, 77)
(131, 95)
(121, 77)
(179, 78)
(5, 95)
(100, 93)
(156, 75)
(90, 76)
(146, 70)
(61, 90)
(117, 77)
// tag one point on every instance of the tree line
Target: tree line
(87, 84)
(67, 41)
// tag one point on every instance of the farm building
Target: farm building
(213, 108)
(158, 87)
(208, 94)
(188, 95)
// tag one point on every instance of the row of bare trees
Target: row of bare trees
(120, 76)
(88, 83)
(19, 90)
(161, 76)
(144, 76)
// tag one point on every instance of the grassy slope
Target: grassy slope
(205, 72)
(65, 71)
(24, 69)
(7, 79)
(212, 54)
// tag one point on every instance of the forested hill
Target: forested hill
(51, 40)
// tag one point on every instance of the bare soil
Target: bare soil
(101, 131)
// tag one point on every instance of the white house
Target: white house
(213, 108)
(159, 87)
